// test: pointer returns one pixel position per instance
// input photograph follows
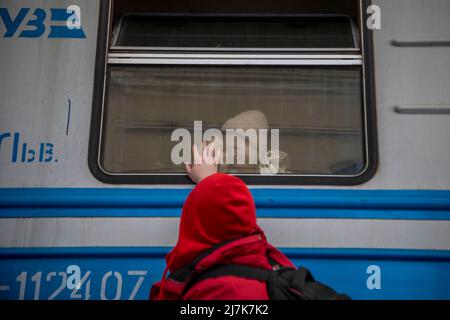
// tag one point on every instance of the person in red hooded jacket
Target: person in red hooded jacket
(220, 209)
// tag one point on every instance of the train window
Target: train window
(290, 88)
(316, 108)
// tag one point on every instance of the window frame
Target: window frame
(112, 55)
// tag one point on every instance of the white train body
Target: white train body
(387, 237)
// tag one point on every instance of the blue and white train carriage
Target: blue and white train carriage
(92, 91)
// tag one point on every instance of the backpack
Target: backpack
(283, 283)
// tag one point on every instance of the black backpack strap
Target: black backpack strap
(283, 284)
(183, 274)
(237, 270)
(311, 289)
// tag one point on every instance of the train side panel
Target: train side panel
(388, 238)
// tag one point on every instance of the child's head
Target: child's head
(220, 208)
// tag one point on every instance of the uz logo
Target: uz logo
(66, 23)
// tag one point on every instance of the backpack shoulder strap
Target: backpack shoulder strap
(299, 284)
(237, 270)
(183, 274)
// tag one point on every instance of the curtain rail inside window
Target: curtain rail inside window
(208, 49)
(233, 56)
(234, 61)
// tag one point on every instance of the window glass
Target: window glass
(235, 32)
(317, 109)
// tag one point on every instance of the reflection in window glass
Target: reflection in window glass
(229, 32)
(318, 111)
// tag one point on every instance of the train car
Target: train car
(354, 94)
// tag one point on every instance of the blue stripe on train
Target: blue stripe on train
(129, 272)
(282, 203)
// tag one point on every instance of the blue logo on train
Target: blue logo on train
(62, 23)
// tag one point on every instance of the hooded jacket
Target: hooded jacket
(220, 208)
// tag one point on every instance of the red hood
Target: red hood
(220, 208)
